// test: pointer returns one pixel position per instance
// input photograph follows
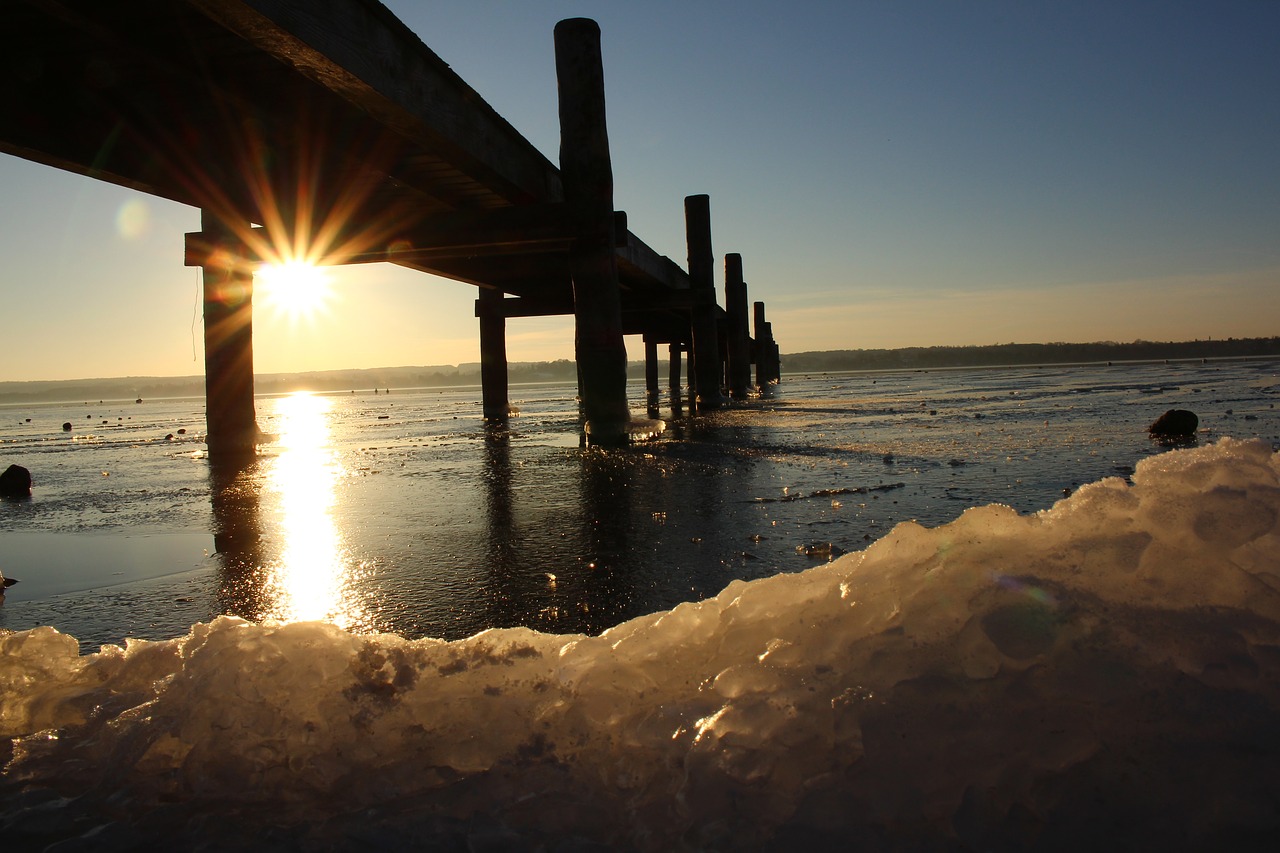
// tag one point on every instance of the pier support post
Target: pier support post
(650, 366)
(706, 343)
(493, 354)
(774, 359)
(230, 421)
(739, 332)
(762, 351)
(673, 377)
(768, 361)
(587, 173)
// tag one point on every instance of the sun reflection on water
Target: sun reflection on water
(314, 574)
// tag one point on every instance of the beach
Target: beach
(402, 512)
(921, 610)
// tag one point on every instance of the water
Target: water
(404, 513)
(1099, 674)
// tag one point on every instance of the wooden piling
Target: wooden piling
(587, 175)
(735, 305)
(230, 420)
(673, 376)
(761, 349)
(494, 380)
(650, 366)
(773, 359)
(706, 345)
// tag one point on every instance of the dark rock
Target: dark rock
(15, 482)
(1176, 423)
(66, 427)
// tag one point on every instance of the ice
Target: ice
(1103, 673)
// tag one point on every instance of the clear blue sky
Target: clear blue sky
(894, 173)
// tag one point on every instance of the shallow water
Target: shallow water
(1104, 674)
(404, 513)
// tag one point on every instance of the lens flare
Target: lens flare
(296, 289)
(133, 219)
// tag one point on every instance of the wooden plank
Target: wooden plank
(231, 422)
(526, 307)
(526, 229)
(639, 264)
(493, 355)
(737, 327)
(587, 173)
(706, 341)
(361, 52)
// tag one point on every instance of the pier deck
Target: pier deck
(325, 130)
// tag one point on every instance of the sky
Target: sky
(893, 172)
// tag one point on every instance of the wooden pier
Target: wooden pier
(326, 131)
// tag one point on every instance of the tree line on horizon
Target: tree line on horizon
(565, 370)
(1013, 354)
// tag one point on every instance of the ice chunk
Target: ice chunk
(1102, 673)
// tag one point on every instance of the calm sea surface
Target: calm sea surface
(405, 513)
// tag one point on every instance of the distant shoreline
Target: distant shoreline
(1022, 355)
(564, 370)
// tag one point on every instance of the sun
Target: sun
(295, 289)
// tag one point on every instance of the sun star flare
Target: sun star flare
(296, 289)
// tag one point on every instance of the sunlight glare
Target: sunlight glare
(313, 577)
(295, 288)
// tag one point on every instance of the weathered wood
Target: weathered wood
(230, 419)
(493, 355)
(363, 54)
(706, 345)
(772, 359)
(530, 306)
(650, 365)
(760, 350)
(674, 351)
(528, 229)
(768, 360)
(737, 325)
(642, 267)
(587, 174)
(331, 124)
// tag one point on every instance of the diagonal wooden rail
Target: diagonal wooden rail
(326, 130)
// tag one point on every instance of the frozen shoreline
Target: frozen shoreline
(426, 523)
(1102, 671)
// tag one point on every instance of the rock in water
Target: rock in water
(1176, 423)
(15, 482)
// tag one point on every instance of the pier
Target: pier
(328, 132)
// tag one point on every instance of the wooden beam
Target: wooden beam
(651, 366)
(674, 350)
(706, 346)
(642, 266)
(525, 306)
(365, 55)
(587, 173)
(516, 230)
(737, 327)
(670, 300)
(230, 419)
(493, 355)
